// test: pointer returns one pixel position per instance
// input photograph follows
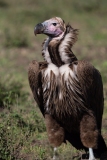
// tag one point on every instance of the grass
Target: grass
(22, 130)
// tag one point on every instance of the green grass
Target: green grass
(22, 130)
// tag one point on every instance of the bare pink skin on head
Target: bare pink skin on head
(52, 27)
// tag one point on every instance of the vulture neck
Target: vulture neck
(58, 50)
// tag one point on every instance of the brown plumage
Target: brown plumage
(68, 92)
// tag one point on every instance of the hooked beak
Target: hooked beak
(39, 28)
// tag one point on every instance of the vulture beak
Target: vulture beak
(39, 28)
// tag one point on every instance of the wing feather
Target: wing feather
(34, 77)
(92, 87)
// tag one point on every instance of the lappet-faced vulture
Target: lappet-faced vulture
(69, 92)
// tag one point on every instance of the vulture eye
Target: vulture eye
(54, 24)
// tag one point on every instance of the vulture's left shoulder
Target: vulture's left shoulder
(87, 73)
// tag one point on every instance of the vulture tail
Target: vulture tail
(100, 152)
(101, 148)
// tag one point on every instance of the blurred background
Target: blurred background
(22, 130)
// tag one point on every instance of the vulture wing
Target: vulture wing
(92, 88)
(90, 82)
(34, 77)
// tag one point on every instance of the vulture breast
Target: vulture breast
(62, 93)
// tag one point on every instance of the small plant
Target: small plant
(38, 123)
(10, 93)
(40, 152)
(16, 131)
(10, 142)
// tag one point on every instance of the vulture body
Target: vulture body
(68, 92)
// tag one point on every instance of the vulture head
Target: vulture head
(54, 27)
(61, 38)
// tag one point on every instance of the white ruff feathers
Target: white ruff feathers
(62, 47)
(64, 71)
(53, 68)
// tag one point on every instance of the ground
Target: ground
(22, 130)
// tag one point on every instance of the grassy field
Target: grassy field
(22, 130)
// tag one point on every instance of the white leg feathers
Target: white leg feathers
(55, 154)
(91, 154)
